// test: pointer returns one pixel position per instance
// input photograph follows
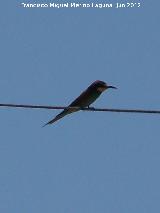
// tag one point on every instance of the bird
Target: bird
(85, 99)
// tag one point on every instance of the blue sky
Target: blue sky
(89, 161)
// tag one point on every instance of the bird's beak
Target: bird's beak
(112, 87)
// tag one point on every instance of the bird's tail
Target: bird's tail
(59, 116)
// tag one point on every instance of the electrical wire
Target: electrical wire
(85, 109)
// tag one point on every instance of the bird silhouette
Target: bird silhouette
(85, 99)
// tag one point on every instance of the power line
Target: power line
(85, 109)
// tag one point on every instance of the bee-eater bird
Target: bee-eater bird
(85, 99)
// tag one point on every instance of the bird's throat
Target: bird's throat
(101, 89)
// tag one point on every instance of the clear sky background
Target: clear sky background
(89, 162)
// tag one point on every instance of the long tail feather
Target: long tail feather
(59, 116)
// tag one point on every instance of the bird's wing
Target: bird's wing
(81, 99)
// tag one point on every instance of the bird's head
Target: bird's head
(101, 86)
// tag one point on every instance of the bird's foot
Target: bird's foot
(92, 108)
(88, 107)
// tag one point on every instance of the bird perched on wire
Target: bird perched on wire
(85, 99)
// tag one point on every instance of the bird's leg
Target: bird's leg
(90, 107)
